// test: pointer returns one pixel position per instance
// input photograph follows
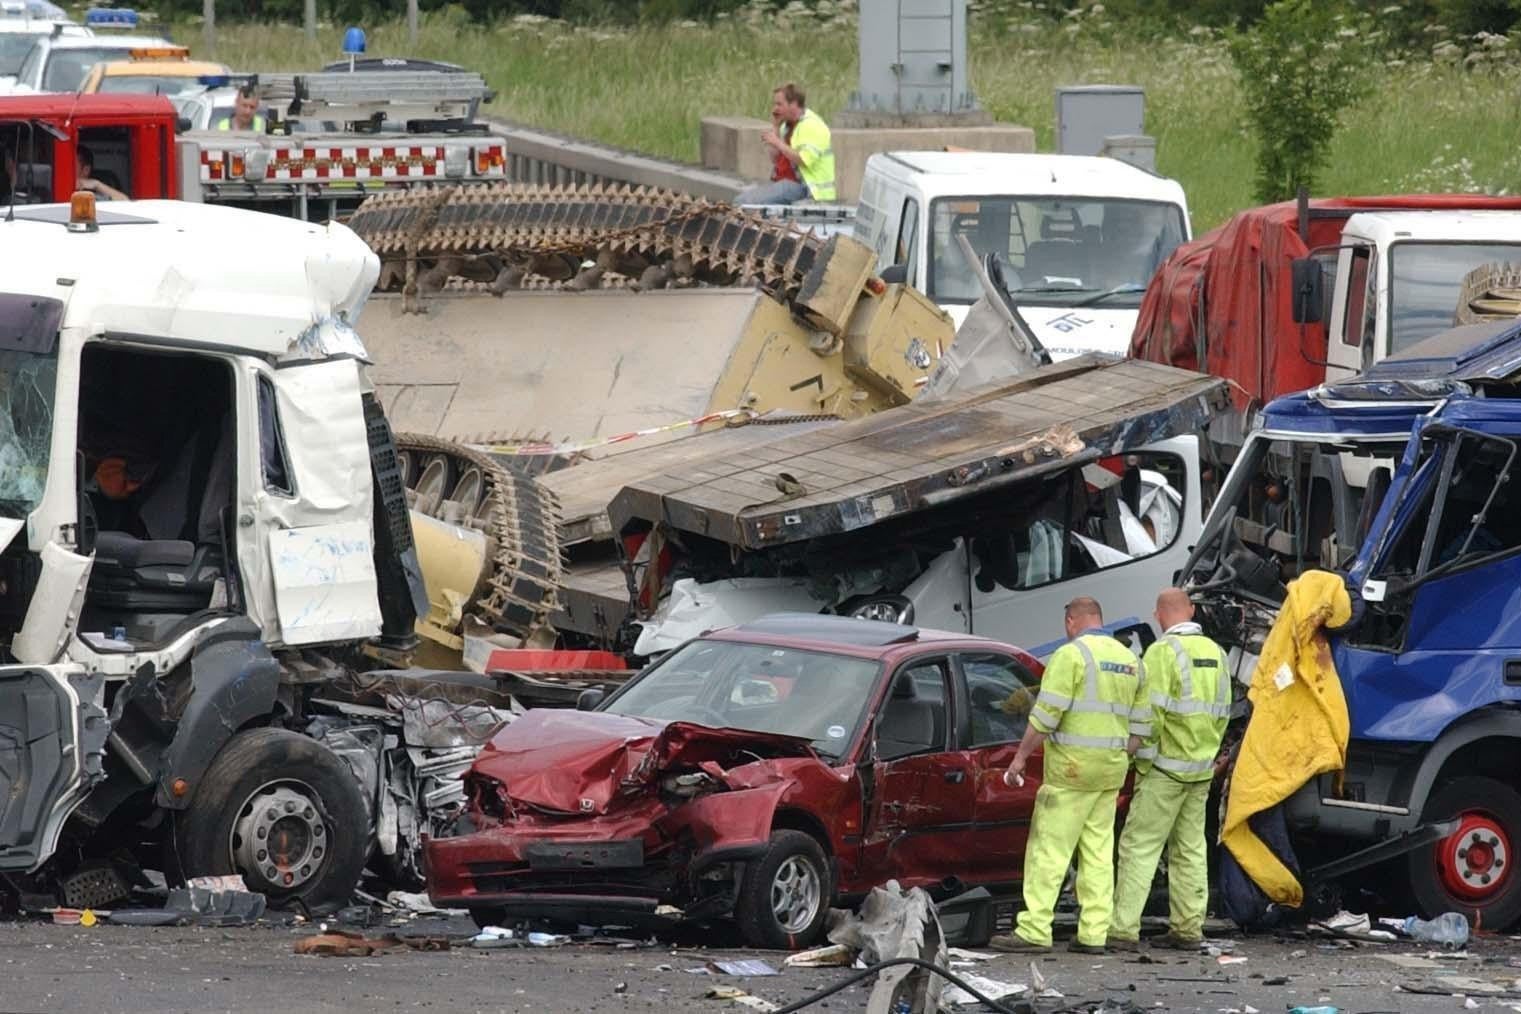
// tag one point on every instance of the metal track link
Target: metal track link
(504, 235)
(522, 521)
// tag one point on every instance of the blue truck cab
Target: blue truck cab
(1404, 481)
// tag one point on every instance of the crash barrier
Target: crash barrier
(541, 156)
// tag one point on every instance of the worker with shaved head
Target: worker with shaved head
(1189, 688)
(1091, 697)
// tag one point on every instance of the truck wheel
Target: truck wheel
(784, 895)
(286, 813)
(1471, 871)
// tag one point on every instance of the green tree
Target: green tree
(1300, 67)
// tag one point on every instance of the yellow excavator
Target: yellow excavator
(518, 328)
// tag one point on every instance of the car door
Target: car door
(999, 690)
(919, 817)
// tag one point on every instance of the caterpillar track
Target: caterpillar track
(512, 236)
(520, 519)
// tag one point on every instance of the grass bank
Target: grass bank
(1437, 123)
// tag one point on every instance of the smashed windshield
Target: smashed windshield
(27, 383)
(1291, 506)
(1424, 282)
(1056, 251)
(759, 687)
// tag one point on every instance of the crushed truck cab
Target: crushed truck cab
(196, 535)
(1401, 480)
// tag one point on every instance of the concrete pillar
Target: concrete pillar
(209, 24)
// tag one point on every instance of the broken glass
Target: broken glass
(27, 384)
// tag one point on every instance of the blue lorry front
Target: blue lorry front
(1404, 482)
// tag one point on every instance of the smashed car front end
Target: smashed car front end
(619, 815)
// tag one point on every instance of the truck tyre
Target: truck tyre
(283, 811)
(1471, 871)
(784, 895)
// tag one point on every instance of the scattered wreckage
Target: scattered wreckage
(1401, 483)
(761, 771)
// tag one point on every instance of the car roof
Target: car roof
(846, 635)
(107, 42)
(1027, 174)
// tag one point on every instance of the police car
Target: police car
(60, 62)
(23, 22)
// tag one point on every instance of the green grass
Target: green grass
(1429, 124)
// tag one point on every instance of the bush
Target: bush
(1300, 67)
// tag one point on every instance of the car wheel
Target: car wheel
(784, 895)
(1472, 870)
(285, 812)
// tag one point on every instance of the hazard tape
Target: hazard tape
(586, 445)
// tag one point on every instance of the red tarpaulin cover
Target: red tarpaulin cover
(1231, 289)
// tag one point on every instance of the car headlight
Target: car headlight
(886, 608)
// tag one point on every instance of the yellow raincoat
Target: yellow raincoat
(1299, 724)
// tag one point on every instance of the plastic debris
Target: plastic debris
(833, 955)
(548, 939)
(408, 901)
(1314, 1010)
(495, 936)
(1227, 959)
(955, 996)
(751, 966)
(1471, 1004)
(1449, 929)
(207, 907)
(741, 997)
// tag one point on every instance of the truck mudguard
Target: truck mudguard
(233, 680)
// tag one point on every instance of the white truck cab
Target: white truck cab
(1079, 236)
(1397, 277)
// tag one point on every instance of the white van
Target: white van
(1079, 236)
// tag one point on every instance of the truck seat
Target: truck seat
(176, 568)
(1055, 258)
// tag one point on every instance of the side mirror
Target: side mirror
(1309, 281)
(183, 123)
(588, 700)
(895, 274)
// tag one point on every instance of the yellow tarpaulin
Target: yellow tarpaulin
(1298, 728)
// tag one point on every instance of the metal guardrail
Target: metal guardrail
(535, 155)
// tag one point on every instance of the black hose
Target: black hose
(865, 973)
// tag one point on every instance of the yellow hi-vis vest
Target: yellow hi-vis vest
(810, 139)
(1090, 694)
(225, 123)
(1189, 688)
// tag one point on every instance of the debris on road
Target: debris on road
(830, 956)
(750, 966)
(955, 996)
(342, 944)
(741, 997)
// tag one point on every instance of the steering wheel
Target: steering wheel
(1225, 571)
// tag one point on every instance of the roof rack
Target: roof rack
(431, 98)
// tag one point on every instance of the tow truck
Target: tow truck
(341, 137)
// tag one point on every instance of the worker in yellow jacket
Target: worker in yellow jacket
(1091, 698)
(807, 145)
(1189, 687)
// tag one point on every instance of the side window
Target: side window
(273, 462)
(913, 718)
(29, 67)
(105, 153)
(1001, 692)
(1357, 296)
(907, 252)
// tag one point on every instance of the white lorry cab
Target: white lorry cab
(1078, 236)
(1398, 275)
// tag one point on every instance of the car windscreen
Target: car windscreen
(1056, 251)
(819, 696)
(13, 49)
(67, 68)
(144, 84)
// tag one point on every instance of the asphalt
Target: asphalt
(46, 967)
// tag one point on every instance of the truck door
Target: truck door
(305, 537)
(1352, 332)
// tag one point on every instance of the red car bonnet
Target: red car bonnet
(578, 761)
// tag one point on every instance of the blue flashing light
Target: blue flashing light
(353, 41)
(111, 17)
(214, 80)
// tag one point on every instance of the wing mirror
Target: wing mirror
(588, 700)
(1308, 277)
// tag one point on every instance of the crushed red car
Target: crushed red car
(764, 772)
